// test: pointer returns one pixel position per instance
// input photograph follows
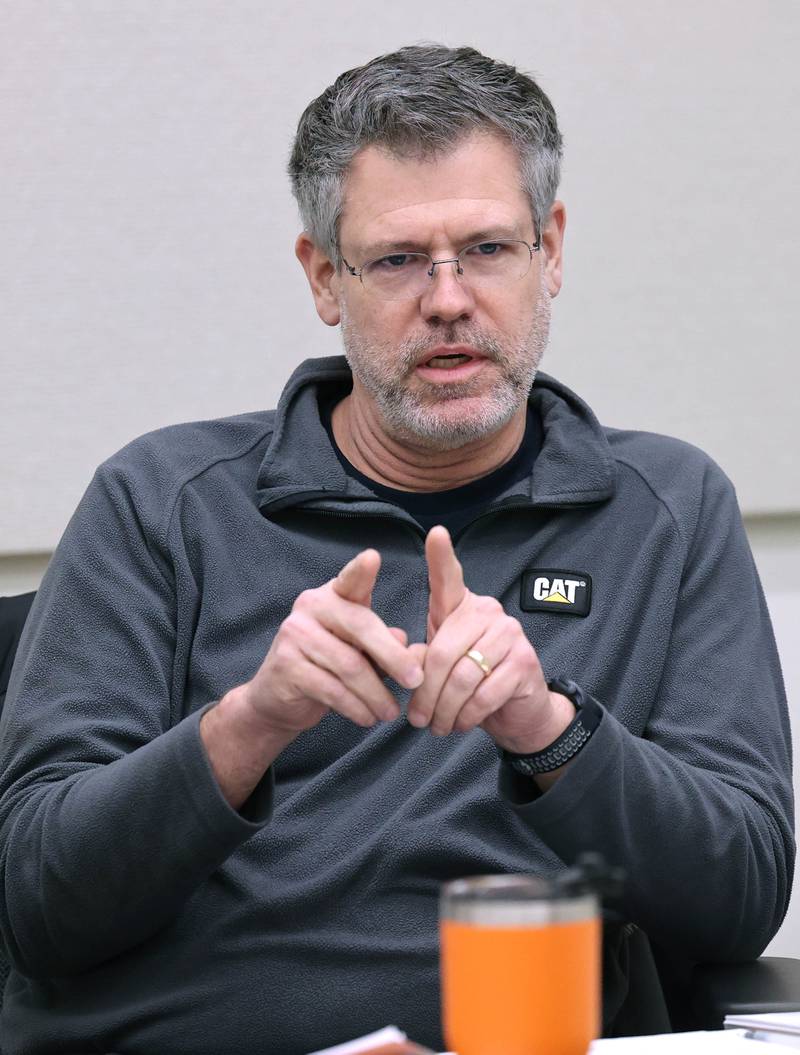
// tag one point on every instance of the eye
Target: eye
(391, 263)
(488, 248)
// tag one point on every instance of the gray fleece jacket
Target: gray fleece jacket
(143, 914)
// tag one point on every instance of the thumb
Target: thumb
(445, 576)
(356, 580)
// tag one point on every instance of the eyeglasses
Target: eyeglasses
(402, 276)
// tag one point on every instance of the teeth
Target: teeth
(447, 362)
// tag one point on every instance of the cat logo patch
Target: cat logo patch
(551, 590)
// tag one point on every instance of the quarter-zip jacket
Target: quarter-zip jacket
(143, 914)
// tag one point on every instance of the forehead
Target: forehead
(472, 187)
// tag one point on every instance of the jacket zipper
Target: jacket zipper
(342, 515)
(416, 530)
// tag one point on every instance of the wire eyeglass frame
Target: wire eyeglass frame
(358, 272)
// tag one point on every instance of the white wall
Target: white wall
(146, 224)
(146, 229)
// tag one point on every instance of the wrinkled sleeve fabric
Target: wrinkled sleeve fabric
(94, 763)
(698, 811)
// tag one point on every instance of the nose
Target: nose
(448, 297)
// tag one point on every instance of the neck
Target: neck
(401, 464)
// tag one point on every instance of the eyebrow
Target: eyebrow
(486, 234)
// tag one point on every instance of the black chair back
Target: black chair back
(13, 613)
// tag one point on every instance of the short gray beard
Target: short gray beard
(406, 417)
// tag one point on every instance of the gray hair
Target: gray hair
(418, 102)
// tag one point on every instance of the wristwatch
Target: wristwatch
(574, 737)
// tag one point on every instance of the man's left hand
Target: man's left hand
(511, 702)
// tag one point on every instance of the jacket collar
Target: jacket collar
(574, 465)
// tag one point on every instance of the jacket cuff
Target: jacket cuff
(206, 793)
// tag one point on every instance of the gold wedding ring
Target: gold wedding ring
(479, 658)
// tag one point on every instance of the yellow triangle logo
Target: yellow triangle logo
(559, 598)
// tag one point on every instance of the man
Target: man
(264, 697)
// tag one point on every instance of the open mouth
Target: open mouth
(450, 357)
(452, 364)
(448, 362)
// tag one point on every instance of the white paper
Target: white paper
(785, 1040)
(735, 1041)
(387, 1035)
(777, 1022)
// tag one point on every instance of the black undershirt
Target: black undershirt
(458, 506)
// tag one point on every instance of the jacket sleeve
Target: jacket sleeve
(110, 816)
(698, 811)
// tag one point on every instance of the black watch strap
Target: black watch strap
(574, 737)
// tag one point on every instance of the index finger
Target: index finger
(445, 576)
(356, 580)
(360, 627)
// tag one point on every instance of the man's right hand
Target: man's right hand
(328, 655)
(325, 654)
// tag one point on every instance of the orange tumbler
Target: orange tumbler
(520, 966)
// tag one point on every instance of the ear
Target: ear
(553, 245)
(322, 277)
